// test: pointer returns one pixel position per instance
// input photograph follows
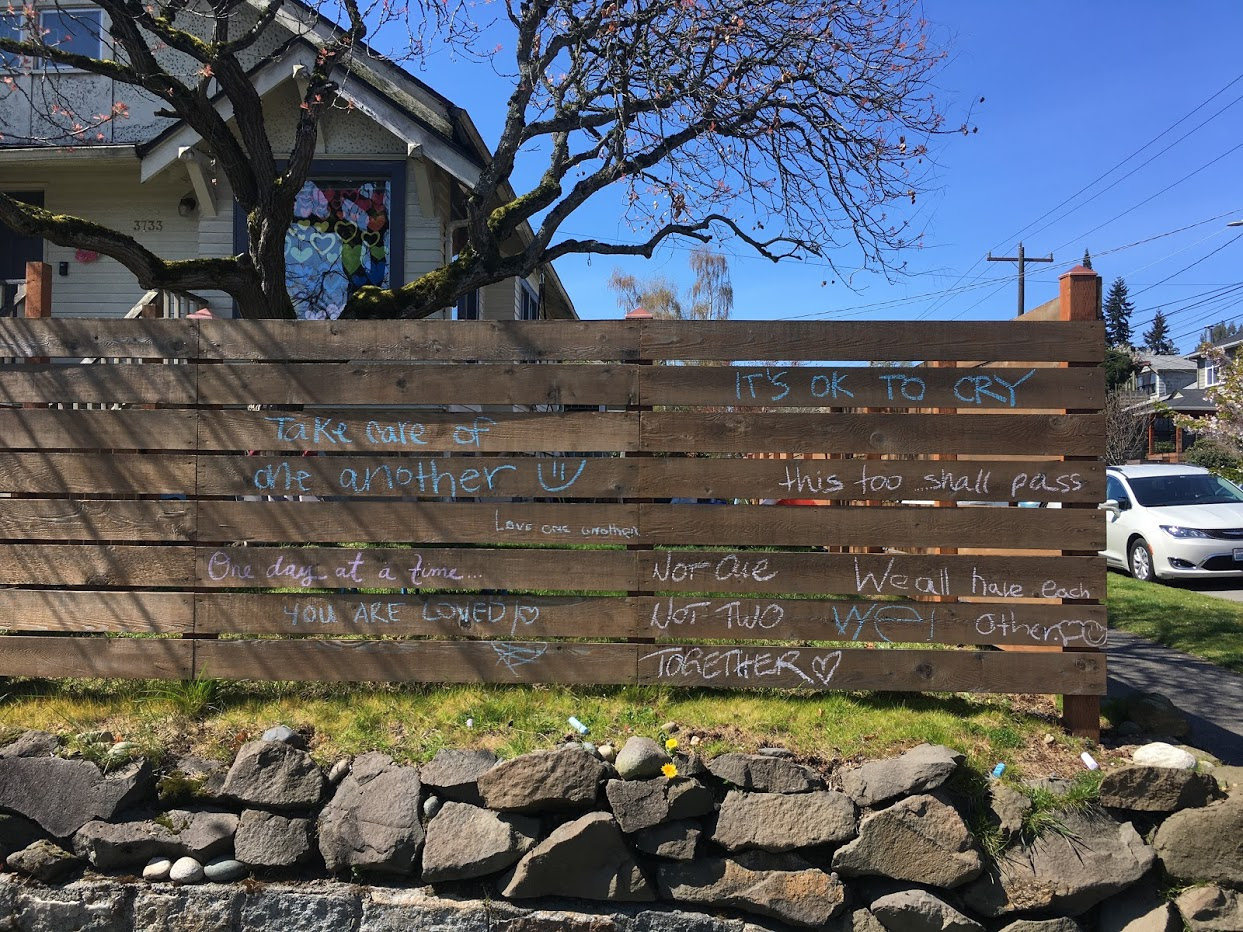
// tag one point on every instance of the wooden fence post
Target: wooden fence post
(639, 313)
(1080, 299)
(38, 297)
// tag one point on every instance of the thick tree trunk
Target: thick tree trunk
(266, 251)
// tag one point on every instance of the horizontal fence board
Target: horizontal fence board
(422, 522)
(436, 340)
(419, 431)
(617, 477)
(493, 616)
(99, 337)
(726, 666)
(1009, 388)
(97, 473)
(892, 340)
(336, 384)
(58, 610)
(987, 434)
(93, 384)
(889, 574)
(901, 527)
(712, 525)
(753, 571)
(71, 519)
(46, 429)
(97, 565)
(418, 661)
(122, 658)
(420, 568)
(474, 615)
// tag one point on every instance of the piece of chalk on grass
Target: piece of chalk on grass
(577, 725)
(1089, 761)
(998, 770)
(470, 723)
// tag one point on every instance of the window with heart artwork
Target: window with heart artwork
(340, 240)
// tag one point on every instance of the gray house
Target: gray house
(390, 176)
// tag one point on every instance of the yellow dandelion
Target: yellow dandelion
(671, 743)
(670, 770)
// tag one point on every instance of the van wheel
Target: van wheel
(1139, 559)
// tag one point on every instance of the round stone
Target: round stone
(431, 806)
(338, 771)
(606, 751)
(222, 870)
(1160, 754)
(186, 870)
(157, 869)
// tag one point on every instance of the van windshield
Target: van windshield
(1191, 489)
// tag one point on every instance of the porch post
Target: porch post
(38, 296)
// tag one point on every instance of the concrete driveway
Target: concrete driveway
(1231, 589)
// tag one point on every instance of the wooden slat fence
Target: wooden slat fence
(553, 502)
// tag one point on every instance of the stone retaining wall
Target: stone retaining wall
(648, 841)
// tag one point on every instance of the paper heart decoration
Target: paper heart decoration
(322, 226)
(327, 245)
(347, 231)
(373, 238)
(353, 213)
(377, 222)
(351, 258)
(310, 202)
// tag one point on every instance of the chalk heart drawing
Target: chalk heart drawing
(824, 666)
(517, 654)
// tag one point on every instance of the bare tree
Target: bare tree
(710, 296)
(799, 127)
(1126, 428)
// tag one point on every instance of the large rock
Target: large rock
(586, 858)
(1066, 872)
(464, 841)
(63, 795)
(31, 744)
(44, 860)
(919, 838)
(1156, 715)
(16, 833)
(676, 841)
(1062, 924)
(807, 897)
(372, 821)
(274, 775)
(920, 911)
(177, 833)
(640, 759)
(1211, 909)
(265, 839)
(1160, 754)
(764, 774)
(1140, 909)
(1009, 807)
(454, 775)
(781, 822)
(921, 768)
(640, 804)
(1204, 844)
(543, 781)
(1157, 789)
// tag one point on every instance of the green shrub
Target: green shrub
(1216, 456)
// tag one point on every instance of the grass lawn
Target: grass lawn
(411, 723)
(1198, 624)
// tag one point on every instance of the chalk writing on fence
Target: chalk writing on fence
(879, 621)
(774, 385)
(800, 478)
(417, 477)
(889, 582)
(700, 664)
(465, 614)
(329, 431)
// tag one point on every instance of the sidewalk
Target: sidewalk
(1210, 697)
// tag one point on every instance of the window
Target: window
(70, 30)
(1114, 490)
(528, 301)
(468, 306)
(347, 233)
(10, 28)
(1210, 372)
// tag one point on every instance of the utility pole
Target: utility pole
(1022, 260)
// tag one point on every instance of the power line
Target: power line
(1192, 265)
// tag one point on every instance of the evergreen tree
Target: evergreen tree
(1157, 337)
(1119, 365)
(1118, 309)
(1087, 259)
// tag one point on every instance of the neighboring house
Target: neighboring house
(1173, 385)
(1208, 372)
(1157, 376)
(389, 181)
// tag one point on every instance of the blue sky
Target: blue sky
(1071, 90)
